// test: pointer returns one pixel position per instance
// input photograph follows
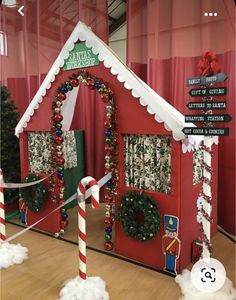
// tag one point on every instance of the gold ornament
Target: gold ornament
(58, 103)
(57, 109)
(107, 158)
(109, 108)
(107, 165)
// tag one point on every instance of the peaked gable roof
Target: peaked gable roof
(161, 110)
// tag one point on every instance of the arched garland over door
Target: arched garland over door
(57, 181)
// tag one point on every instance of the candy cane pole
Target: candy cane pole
(207, 195)
(91, 182)
(2, 211)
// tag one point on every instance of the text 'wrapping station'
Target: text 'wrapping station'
(204, 80)
(207, 105)
(208, 118)
(209, 131)
(207, 92)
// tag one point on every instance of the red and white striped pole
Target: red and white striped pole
(91, 182)
(2, 211)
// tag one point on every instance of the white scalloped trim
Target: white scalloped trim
(155, 105)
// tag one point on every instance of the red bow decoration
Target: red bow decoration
(208, 64)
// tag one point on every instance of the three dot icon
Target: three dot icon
(206, 14)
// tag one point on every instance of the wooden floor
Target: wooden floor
(94, 226)
(52, 261)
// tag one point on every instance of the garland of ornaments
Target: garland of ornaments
(34, 196)
(204, 204)
(208, 65)
(139, 216)
(57, 181)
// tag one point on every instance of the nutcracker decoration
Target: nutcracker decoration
(171, 243)
(22, 209)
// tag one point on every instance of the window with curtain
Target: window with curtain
(197, 169)
(39, 149)
(147, 162)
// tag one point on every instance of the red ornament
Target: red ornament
(60, 182)
(107, 124)
(108, 149)
(58, 140)
(108, 246)
(108, 222)
(105, 98)
(108, 199)
(57, 118)
(64, 224)
(74, 82)
(61, 96)
(60, 161)
(91, 84)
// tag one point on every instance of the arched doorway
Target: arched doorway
(57, 181)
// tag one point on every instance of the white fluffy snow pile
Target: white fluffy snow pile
(189, 292)
(93, 288)
(11, 254)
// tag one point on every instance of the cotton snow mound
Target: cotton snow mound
(93, 288)
(11, 254)
(189, 292)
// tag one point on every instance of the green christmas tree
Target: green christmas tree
(10, 153)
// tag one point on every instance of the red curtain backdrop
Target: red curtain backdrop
(165, 39)
(34, 41)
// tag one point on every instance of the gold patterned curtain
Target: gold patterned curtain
(39, 149)
(148, 162)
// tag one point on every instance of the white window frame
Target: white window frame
(3, 43)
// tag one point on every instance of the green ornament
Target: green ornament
(100, 90)
(108, 141)
(108, 237)
(58, 125)
(69, 87)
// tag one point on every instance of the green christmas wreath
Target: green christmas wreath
(34, 195)
(139, 216)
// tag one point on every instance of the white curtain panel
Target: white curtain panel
(68, 107)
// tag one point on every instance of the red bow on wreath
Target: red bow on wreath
(208, 64)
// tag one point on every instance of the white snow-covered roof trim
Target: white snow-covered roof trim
(155, 104)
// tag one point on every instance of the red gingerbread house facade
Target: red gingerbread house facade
(146, 150)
